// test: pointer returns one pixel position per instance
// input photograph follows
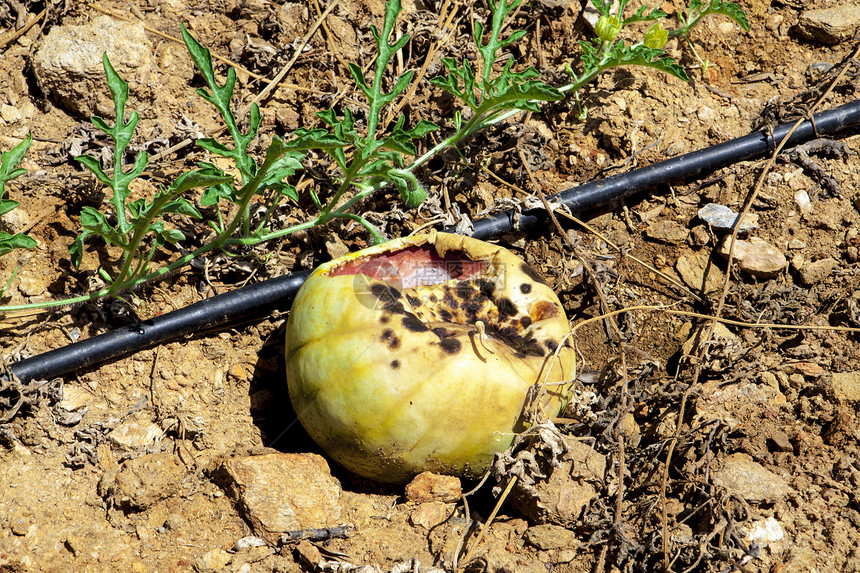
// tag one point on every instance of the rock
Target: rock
(430, 514)
(68, 65)
(211, 560)
(804, 368)
(756, 257)
(142, 482)
(14, 221)
(829, 25)
(549, 536)
(569, 489)
(665, 231)
(307, 554)
(764, 532)
(282, 492)
(31, 284)
(721, 333)
(699, 272)
(722, 218)
(781, 441)
(743, 477)
(136, 434)
(814, 273)
(845, 386)
(428, 486)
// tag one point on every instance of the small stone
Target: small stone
(31, 285)
(699, 272)
(548, 536)
(814, 273)
(14, 221)
(756, 257)
(568, 490)
(142, 482)
(723, 218)
(282, 492)
(428, 486)
(796, 245)
(211, 560)
(721, 333)
(666, 231)
(307, 554)
(829, 25)
(845, 386)
(743, 477)
(804, 368)
(430, 514)
(69, 70)
(175, 522)
(135, 435)
(699, 236)
(19, 525)
(781, 441)
(335, 246)
(10, 113)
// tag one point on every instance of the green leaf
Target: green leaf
(172, 235)
(9, 242)
(95, 222)
(181, 206)
(7, 205)
(731, 10)
(93, 165)
(76, 249)
(197, 178)
(9, 160)
(641, 16)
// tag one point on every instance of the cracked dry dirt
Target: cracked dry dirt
(769, 438)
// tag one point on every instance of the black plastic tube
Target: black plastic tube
(252, 301)
(276, 294)
(683, 167)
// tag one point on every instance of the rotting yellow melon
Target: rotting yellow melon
(419, 354)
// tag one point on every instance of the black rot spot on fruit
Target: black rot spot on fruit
(414, 324)
(525, 288)
(389, 338)
(395, 364)
(450, 345)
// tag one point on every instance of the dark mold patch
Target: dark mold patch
(506, 308)
(389, 338)
(551, 345)
(525, 322)
(413, 300)
(413, 324)
(395, 364)
(450, 345)
(526, 288)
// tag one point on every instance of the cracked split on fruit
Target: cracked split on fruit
(420, 354)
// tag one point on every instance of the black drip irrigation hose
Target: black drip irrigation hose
(262, 298)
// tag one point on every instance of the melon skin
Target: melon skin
(394, 381)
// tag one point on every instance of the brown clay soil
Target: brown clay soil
(686, 434)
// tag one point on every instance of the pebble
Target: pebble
(829, 25)
(548, 536)
(429, 515)
(211, 560)
(756, 257)
(31, 285)
(428, 486)
(14, 221)
(743, 477)
(845, 386)
(282, 492)
(666, 231)
(69, 70)
(691, 267)
(722, 218)
(142, 482)
(135, 435)
(814, 273)
(568, 490)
